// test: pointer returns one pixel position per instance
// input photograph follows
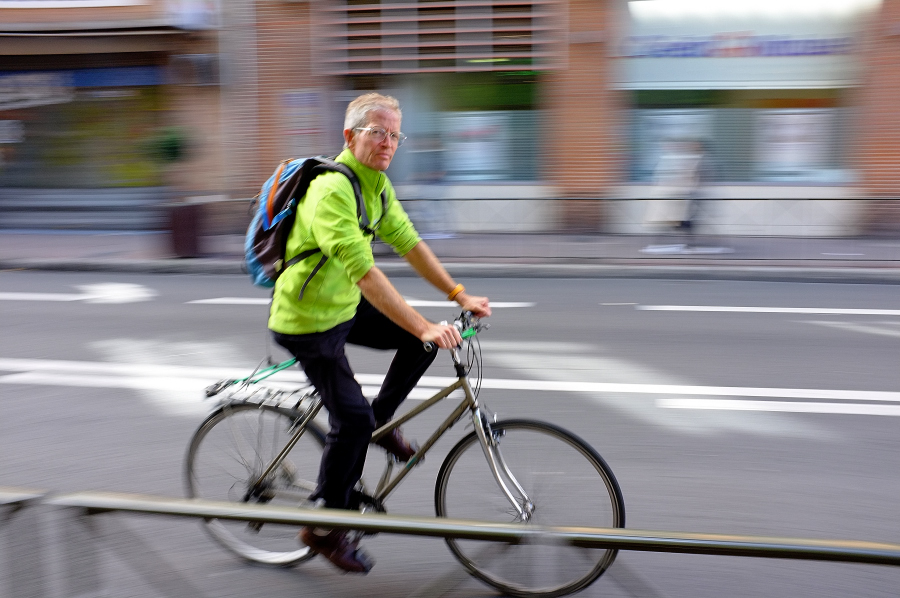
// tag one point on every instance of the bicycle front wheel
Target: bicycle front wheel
(225, 460)
(566, 483)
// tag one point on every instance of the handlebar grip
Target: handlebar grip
(430, 346)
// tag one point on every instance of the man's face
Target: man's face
(372, 153)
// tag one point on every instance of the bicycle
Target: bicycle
(262, 445)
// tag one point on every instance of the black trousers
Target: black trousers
(352, 418)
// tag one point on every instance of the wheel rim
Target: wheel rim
(229, 450)
(568, 483)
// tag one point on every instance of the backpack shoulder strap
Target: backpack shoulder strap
(361, 212)
(300, 257)
(328, 164)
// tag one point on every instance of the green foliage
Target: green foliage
(167, 145)
(488, 91)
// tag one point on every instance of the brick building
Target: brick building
(540, 115)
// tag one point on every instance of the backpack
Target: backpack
(274, 208)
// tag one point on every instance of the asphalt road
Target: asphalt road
(724, 407)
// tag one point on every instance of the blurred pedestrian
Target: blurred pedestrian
(338, 296)
(432, 217)
(682, 170)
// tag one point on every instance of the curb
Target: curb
(142, 266)
(211, 266)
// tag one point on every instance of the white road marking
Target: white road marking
(453, 304)
(232, 301)
(180, 388)
(781, 406)
(594, 372)
(113, 292)
(676, 389)
(133, 369)
(105, 381)
(412, 302)
(39, 297)
(772, 310)
(207, 375)
(891, 329)
(91, 293)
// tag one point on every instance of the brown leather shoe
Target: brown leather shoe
(338, 549)
(394, 443)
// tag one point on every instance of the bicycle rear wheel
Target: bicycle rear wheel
(567, 483)
(228, 454)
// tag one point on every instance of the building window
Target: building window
(752, 136)
(86, 128)
(403, 37)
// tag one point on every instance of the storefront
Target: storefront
(82, 128)
(93, 106)
(767, 90)
(468, 77)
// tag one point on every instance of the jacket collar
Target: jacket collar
(371, 181)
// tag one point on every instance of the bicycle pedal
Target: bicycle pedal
(361, 501)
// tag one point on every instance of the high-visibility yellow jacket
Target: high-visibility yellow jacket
(327, 219)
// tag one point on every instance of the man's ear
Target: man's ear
(348, 135)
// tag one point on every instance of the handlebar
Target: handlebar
(468, 325)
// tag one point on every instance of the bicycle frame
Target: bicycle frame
(388, 481)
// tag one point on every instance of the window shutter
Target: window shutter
(397, 37)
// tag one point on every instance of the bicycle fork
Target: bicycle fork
(490, 444)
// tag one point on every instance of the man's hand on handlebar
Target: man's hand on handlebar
(445, 336)
(480, 306)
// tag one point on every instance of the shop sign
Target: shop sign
(756, 44)
(733, 45)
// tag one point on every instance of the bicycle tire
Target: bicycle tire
(228, 453)
(569, 484)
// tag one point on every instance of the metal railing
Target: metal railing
(19, 497)
(850, 551)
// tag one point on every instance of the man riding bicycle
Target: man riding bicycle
(318, 307)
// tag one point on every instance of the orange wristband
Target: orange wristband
(456, 291)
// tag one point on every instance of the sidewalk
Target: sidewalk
(496, 255)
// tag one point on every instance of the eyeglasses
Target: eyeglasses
(378, 134)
